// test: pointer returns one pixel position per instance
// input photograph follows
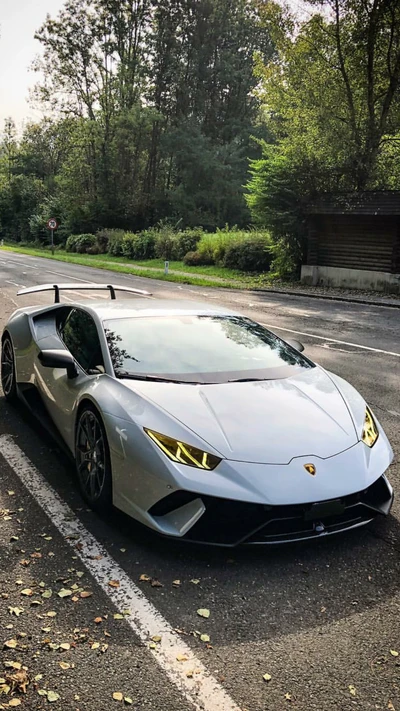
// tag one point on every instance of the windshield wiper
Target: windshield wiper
(155, 378)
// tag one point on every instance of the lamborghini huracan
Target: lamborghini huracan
(197, 421)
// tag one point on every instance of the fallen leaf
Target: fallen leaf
(48, 538)
(267, 677)
(64, 592)
(19, 582)
(156, 584)
(204, 638)
(42, 692)
(64, 665)
(27, 591)
(288, 697)
(195, 581)
(79, 573)
(128, 700)
(10, 644)
(113, 583)
(181, 658)
(156, 638)
(394, 653)
(86, 593)
(118, 616)
(52, 696)
(74, 598)
(104, 648)
(14, 538)
(51, 613)
(123, 550)
(203, 612)
(17, 611)
(117, 696)
(390, 706)
(95, 645)
(352, 689)
(65, 646)
(14, 702)
(98, 620)
(38, 677)
(47, 594)
(152, 645)
(36, 555)
(190, 673)
(176, 583)
(144, 578)
(11, 493)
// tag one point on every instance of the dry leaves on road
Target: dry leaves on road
(203, 612)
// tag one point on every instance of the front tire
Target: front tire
(8, 379)
(92, 457)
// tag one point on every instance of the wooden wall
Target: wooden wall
(370, 242)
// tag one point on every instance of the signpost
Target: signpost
(52, 225)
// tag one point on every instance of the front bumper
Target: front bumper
(226, 522)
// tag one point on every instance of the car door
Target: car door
(79, 334)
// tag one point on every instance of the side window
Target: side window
(80, 336)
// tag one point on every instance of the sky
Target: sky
(19, 19)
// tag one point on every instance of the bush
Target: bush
(84, 243)
(249, 255)
(196, 259)
(70, 245)
(102, 237)
(186, 241)
(139, 246)
(115, 240)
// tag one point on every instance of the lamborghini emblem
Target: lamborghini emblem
(311, 469)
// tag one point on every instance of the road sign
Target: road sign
(52, 224)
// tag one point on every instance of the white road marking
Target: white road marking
(331, 340)
(14, 283)
(202, 691)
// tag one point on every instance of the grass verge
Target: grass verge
(209, 276)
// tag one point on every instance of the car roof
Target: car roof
(141, 307)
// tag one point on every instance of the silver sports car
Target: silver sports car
(197, 421)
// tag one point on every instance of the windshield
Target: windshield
(199, 349)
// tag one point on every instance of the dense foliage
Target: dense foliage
(151, 109)
(331, 101)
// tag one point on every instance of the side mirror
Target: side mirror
(59, 359)
(295, 344)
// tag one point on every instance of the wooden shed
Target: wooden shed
(354, 241)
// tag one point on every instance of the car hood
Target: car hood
(267, 422)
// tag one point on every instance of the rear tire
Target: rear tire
(92, 458)
(8, 380)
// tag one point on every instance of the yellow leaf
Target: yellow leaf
(144, 578)
(11, 643)
(27, 591)
(176, 583)
(13, 665)
(86, 593)
(117, 696)
(38, 677)
(95, 645)
(152, 645)
(65, 646)
(113, 583)
(352, 689)
(288, 697)
(51, 613)
(14, 702)
(118, 616)
(203, 612)
(52, 696)
(204, 638)
(394, 653)
(64, 665)
(64, 592)
(195, 581)
(128, 700)
(181, 658)
(156, 638)
(17, 611)
(47, 594)
(267, 677)
(42, 692)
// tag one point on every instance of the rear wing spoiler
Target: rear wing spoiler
(112, 288)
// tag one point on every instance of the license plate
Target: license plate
(324, 509)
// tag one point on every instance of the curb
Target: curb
(348, 299)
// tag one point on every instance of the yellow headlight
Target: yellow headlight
(370, 431)
(183, 453)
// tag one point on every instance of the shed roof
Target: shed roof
(374, 202)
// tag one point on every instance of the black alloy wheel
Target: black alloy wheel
(8, 382)
(92, 457)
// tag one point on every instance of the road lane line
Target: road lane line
(202, 691)
(331, 340)
(14, 283)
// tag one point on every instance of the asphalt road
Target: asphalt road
(322, 619)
